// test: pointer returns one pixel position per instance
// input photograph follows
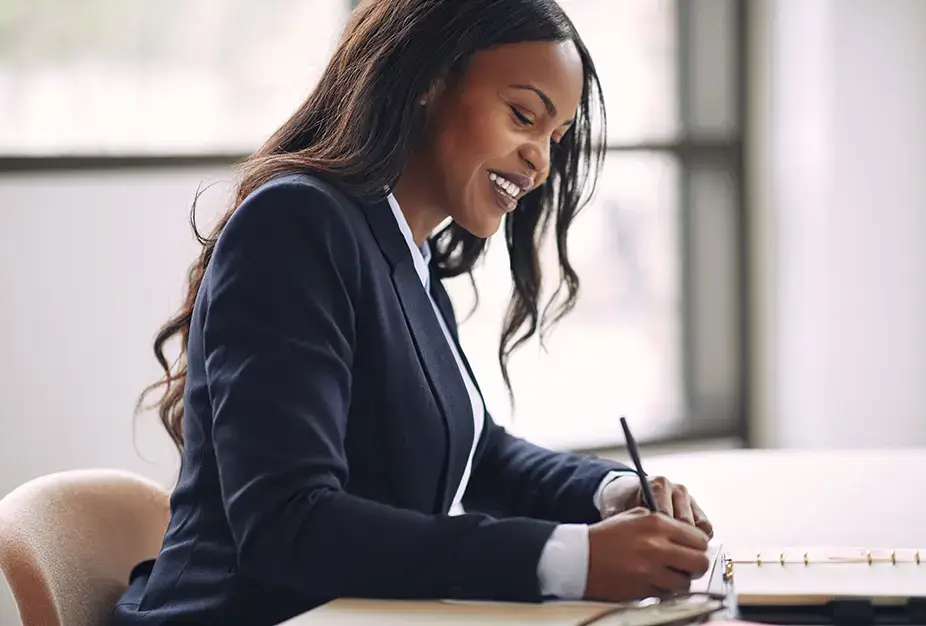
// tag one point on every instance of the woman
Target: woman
(327, 416)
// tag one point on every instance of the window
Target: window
(139, 77)
(658, 331)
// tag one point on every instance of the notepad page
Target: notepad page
(703, 583)
(830, 573)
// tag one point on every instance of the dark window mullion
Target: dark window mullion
(683, 87)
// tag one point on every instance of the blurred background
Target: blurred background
(753, 264)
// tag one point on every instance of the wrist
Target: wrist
(562, 571)
(609, 498)
(591, 574)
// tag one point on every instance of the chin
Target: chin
(483, 226)
(479, 218)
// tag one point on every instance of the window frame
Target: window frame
(689, 150)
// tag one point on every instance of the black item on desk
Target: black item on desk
(839, 613)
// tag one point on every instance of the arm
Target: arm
(519, 478)
(516, 477)
(278, 339)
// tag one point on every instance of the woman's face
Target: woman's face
(489, 134)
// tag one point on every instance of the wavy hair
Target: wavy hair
(356, 129)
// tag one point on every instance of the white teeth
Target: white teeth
(506, 185)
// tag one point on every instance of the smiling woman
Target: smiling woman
(330, 425)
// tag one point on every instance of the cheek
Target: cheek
(470, 144)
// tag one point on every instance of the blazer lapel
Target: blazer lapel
(434, 353)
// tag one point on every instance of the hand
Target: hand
(672, 499)
(638, 554)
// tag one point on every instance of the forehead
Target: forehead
(553, 67)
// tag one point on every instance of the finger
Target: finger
(690, 561)
(662, 494)
(622, 517)
(700, 519)
(684, 534)
(681, 505)
(670, 581)
(637, 511)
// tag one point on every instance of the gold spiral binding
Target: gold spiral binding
(867, 557)
(729, 560)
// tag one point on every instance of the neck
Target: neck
(421, 212)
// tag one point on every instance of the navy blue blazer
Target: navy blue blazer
(327, 427)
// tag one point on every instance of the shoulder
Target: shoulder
(295, 220)
(294, 204)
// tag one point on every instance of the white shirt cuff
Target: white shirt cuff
(563, 567)
(610, 477)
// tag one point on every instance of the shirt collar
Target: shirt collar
(421, 256)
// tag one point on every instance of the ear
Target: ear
(433, 93)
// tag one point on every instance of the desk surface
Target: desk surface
(753, 497)
(405, 613)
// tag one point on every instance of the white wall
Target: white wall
(91, 264)
(839, 152)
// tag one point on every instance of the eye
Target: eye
(522, 119)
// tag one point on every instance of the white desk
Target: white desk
(787, 497)
(753, 497)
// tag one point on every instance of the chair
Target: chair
(68, 542)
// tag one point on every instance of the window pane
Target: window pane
(633, 45)
(618, 352)
(139, 76)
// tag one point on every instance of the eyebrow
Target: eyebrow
(547, 103)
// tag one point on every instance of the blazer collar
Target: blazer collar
(434, 352)
(421, 256)
(387, 234)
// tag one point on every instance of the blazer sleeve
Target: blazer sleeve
(284, 285)
(513, 477)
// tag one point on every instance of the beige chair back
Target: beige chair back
(68, 542)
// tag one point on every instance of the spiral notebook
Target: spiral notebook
(815, 575)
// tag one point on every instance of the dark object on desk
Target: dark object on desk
(648, 498)
(857, 612)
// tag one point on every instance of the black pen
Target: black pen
(635, 456)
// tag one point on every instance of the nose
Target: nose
(536, 154)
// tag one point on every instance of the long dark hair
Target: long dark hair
(358, 125)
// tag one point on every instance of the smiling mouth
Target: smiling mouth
(506, 186)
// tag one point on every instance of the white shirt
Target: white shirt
(563, 566)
